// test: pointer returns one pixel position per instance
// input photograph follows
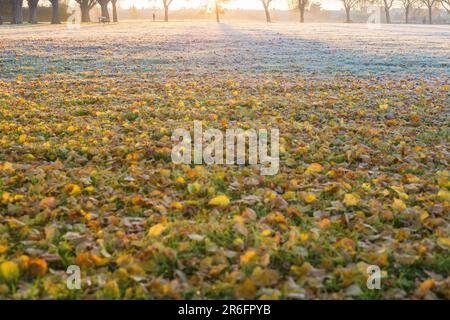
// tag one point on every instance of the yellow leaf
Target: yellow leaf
(272, 296)
(22, 138)
(427, 285)
(7, 166)
(310, 198)
(444, 242)
(347, 244)
(324, 223)
(156, 230)
(247, 257)
(351, 199)
(289, 195)
(238, 219)
(400, 192)
(99, 261)
(132, 157)
(366, 186)
(111, 290)
(9, 271)
(180, 180)
(443, 178)
(3, 248)
(398, 205)
(264, 277)
(410, 178)
(314, 167)
(238, 242)
(221, 200)
(270, 195)
(73, 189)
(423, 216)
(194, 188)
(165, 173)
(245, 290)
(444, 195)
(6, 196)
(177, 205)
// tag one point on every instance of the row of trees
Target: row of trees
(15, 7)
(301, 5)
(407, 5)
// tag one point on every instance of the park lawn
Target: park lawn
(86, 176)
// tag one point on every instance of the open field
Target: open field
(86, 176)
(138, 47)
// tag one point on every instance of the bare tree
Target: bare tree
(387, 4)
(55, 12)
(429, 4)
(114, 7)
(348, 6)
(32, 10)
(446, 5)
(85, 7)
(166, 4)
(408, 6)
(16, 11)
(218, 8)
(301, 6)
(266, 4)
(216, 4)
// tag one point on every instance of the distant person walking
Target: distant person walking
(154, 17)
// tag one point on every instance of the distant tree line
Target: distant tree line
(387, 5)
(14, 8)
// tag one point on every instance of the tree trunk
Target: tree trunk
(84, 7)
(430, 15)
(388, 16)
(16, 14)
(217, 13)
(114, 6)
(406, 15)
(55, 12)
(32, 9)
(266, 9)
(166, 13)
(302, 13)
(347, 13)
(104, 7)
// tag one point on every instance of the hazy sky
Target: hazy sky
(243, 4)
